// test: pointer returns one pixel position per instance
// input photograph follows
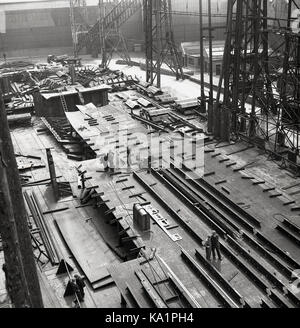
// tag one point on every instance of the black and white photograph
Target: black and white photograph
(150, 158)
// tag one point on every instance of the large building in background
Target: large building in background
(29, 25)
(38, 24)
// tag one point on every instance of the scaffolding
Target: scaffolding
(159, 41)
(79, 22)
(105, 36)
(261, 97)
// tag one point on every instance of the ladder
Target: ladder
(113, 20)
(63, 102)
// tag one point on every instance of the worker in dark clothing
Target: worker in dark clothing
(129, 156)
(215, 245)
(7, 283)
(207, 246)
(105, 163)
(76, 291)
(80, 283)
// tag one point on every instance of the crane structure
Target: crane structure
(159, 41)
(105, 36)
(109, 29)
(260, 98)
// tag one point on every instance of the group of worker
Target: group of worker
(212, 246)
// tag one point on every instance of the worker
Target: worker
(76, 291)
(129, 156)
(104, 161)
(80, 283)
(110, 159)
(207, 246)
(215, 245)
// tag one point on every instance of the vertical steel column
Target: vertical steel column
(256, 18)
(52, 173)
(159, 39)
(160, 42)
(236, 83)
(211, 80)
(102, 11)
(202, 82)
(225, 107)
(243, 98)
(148, 30)
(19, 213)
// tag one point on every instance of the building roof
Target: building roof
(193, 49)
(11, 5)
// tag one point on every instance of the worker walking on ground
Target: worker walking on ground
(207, 246)
(215, 245)
(80, 283)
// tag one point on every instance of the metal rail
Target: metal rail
(283, 296)
(227, 213)
(216, 289)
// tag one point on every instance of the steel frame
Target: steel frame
(111, 38)
(105, 36)
(79, 21)
(261, 85)
(159, 40)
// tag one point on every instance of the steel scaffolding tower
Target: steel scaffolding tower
(261, 95)
(111, 37)
(79, 21)
(159, 40)
(105, 36)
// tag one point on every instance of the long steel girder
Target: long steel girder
(159, 40)
(261, 79)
